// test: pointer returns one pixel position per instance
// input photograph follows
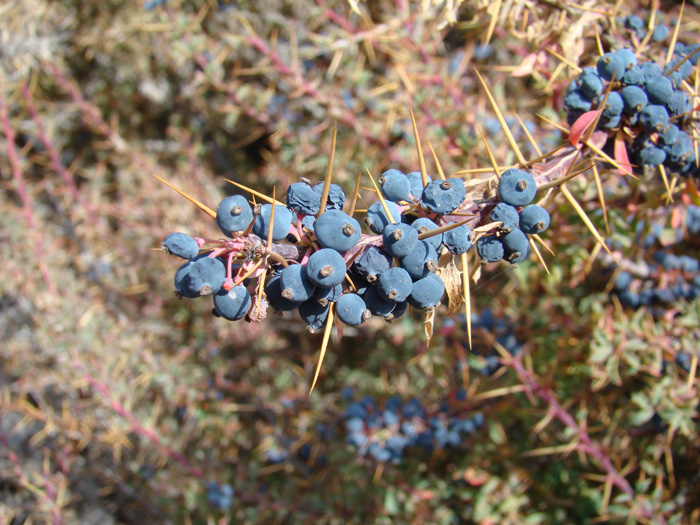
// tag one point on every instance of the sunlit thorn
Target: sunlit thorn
(442, 229)
(537, 252)
(490, 154)
(259, 195)
(353, 202)
(564, 60)
(601, 197)
(437, 162)
(421, 159)
(324, 344)
(529, 137)
(194, 201)
(467, 297)
(329, 172)
(541, 241)
(669, 197)
(389, 215)
(674, 37)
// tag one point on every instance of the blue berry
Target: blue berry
(295, 283)
(234, 214)
(351, 309)
(399, 239)
(180, 244)
(399, 310)
(426, 292)
(303, 199)
(679, 104)
(590, 84)
(308, 222)
(650, 70)
(534, 219)
(659, 90)
(490, 248)
(336, 196)
(634, 76)
(654, 117)
(377, 219)
(628, 58)
(205, 276)
(444, 196)
(458, 240)
(576, 101)
(415, 179)
(337, 230)
(634, 98)
(324, 296)
(622, 281)
(681, 148)
(651, 155)
(613, 105)
(371, 264)
(636, 24)
(394, 285)
(376, 304)
(326, 268)
(420, 261)
(273, 291)
(516, 187)
(611, 64)
(506, 214)
(395, 186)
(679, 74)
(232, 304)
(660, 33)
(313, 314)
(516, 246)
(283, 222)
(422, 225)
(181, 275)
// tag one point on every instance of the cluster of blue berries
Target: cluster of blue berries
(219, 496)
(516, 190)
(647, 101)
(384, 433)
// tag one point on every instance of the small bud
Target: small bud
(205, 290)
(348, 230)
(287, 294)
(430, 265)
(397, 234)
(366, 315)
(392, 294)
(445, 185)
(522, 185)
(326, 270)
(236, 210)
(371, 278)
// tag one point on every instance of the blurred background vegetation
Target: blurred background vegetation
(122, 404)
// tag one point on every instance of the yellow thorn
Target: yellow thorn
(353, 203)
(194, 201)
(601, 197)
(481, 170)
(494, 20)
(324, 345)
(669, 197)
(327, 182)
(239, 280)
(585, 219)
(529, 136)
(594, 124)
(256, 193)
(488, 150)
(601, 51)
(674, 38)
(389, 215)
(539, 255)
(608, 158)
(693, 372)
(502, 121)
(272, 221)
(541, 241)
(564, 60)
(467, 297)
(423, 172)
(442, 229)
(560, 128)
(437, 162)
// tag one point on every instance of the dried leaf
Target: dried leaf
(450, 275)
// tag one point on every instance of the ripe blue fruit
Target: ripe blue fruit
(534, 219)
(679, 104)
(295, 283)
(422, 225)
(180, 244)
(351, 309)
(506, 214)
(636, 24)
(650, 70)
(681, 148)
(575, 100)
(205, 276)
(415, 179)
(660, 33)
(324, 296)
(628, 58)
(303, 199)
(394, 285)
(634, 76)
(490, 248)
(611, 64)
(516, 246)
(426, 292)
(377, 219)
(399, 239)
(679, 74)
(313, 314)
(659, 90)
(283, 221)
(395, 186)
(326, 268)
(234, 214)
(651, 155)
(371, 264)
(232, 304)
(181, 281)
(376, 304)
(336, 196)
(634, 98)
(421, 261)
(610, 123)
(308, 222)
(589, 83)
(516, 187)
(273, 291)
(613, 105)
(444, 196)
(337, 230)
(399, 310)
(654, 117)
(458, 240)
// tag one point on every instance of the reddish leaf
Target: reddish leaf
(621, 155)
(580, 126)
(676, 218)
